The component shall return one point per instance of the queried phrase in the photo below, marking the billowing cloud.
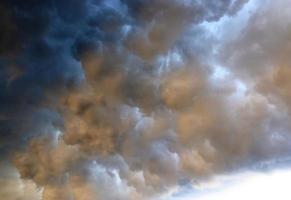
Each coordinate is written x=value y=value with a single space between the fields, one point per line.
x=126 y=99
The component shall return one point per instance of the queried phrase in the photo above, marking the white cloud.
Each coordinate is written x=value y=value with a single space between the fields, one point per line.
x=248 y=185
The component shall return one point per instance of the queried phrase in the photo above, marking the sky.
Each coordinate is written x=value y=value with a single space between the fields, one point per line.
x=247 y=185
x=267 y=180
x=145 y=99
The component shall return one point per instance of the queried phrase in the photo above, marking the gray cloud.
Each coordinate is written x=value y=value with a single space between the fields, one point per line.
x=112 y=100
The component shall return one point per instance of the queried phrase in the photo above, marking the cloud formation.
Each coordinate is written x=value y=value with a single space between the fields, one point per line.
x=125 y=99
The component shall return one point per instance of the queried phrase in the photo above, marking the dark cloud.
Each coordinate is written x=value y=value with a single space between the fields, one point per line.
x=109 y=100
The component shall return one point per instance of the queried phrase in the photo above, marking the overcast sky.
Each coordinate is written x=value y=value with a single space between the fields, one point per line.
x=145 y=99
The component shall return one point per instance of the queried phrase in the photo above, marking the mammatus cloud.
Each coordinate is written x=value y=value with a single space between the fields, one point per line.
x=124 y=99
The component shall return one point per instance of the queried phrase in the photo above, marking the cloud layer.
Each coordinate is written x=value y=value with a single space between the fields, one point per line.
x=124 y=99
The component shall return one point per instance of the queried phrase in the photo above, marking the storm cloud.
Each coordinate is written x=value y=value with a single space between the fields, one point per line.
x=130 y=99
